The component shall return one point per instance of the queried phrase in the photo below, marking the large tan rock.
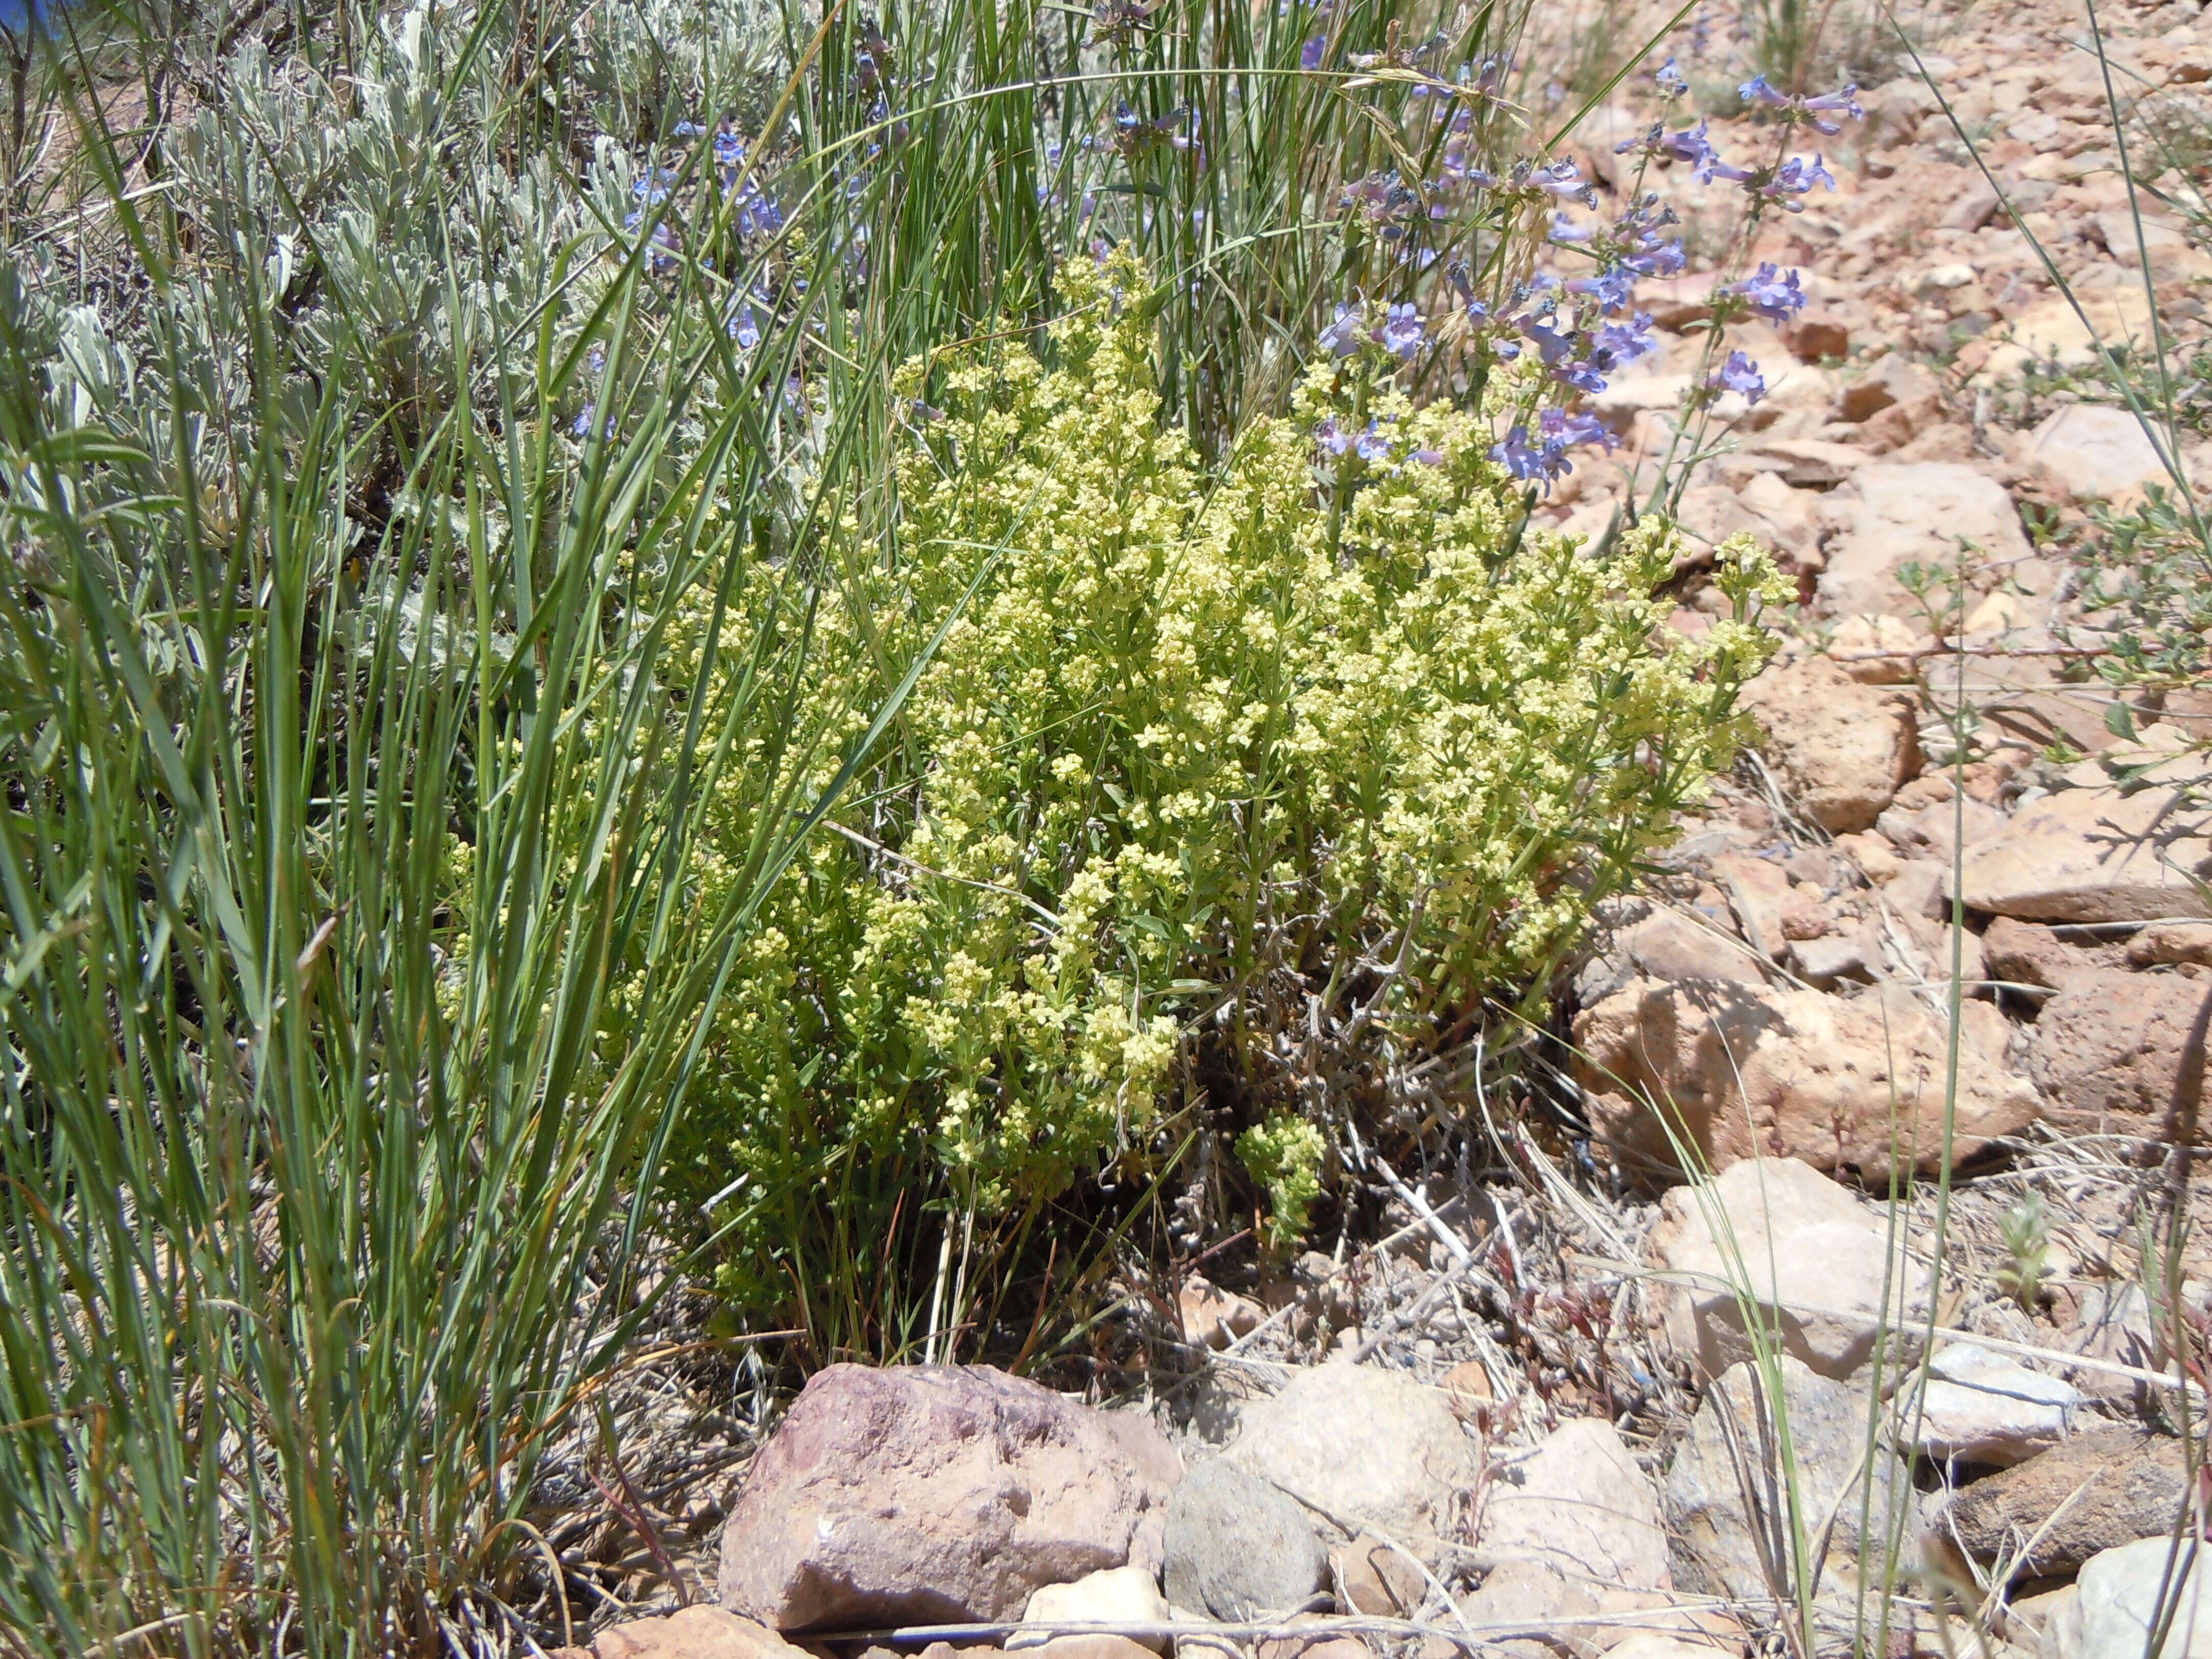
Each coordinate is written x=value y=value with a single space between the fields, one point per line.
x=1579 y=1504
x=938 y=1494
x=700 y=1633
x=1891 y=513
x=1815 y=1261
x=2123 y=1054
x=2095 y=855
x=1362 y=1448
x=2096 y=450
x=1737 y=1071
x=1843 y=747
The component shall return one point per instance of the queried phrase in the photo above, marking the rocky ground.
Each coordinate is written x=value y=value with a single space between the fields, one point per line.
x=1528 y=1415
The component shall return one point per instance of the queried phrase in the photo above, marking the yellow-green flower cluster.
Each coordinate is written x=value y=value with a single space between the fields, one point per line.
x=1196 y=724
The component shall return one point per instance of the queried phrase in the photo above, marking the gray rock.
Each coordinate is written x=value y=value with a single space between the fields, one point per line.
x=1732 y=1513
x=1237 y=1546
x=1362 y=1448
x=2124 y=1594
x=937 y=1493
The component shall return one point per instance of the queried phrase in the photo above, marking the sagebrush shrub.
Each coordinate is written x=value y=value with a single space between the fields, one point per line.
x=1195 y=730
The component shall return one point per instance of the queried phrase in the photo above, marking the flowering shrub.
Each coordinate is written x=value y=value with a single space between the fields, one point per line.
x=1201 y=737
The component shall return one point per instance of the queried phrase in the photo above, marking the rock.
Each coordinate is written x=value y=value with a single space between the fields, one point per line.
x=1580 y=1505
x=2123 y=1054
x=1098 y=1645
x=2112 y=1322
x=1723 y=1506
x=1933 y=831
x=1664 y=944
x=1658 y=1644
x=2095 y=855
x=1815 y=336
x=937 y=1494
x=700 y=1633
x=1979 y=1407
x=1843 y=748
x=1809 y=1254
x=1890 y=513
x=1520 y=1600
x=1838 y=959
x=1378 y=1579
x=1361 y=1446
x=1312 y=1637
x=2171 y=943
x=1117 y=1595
x=2055 y=331
x=2028 y=953
x=2131 y=1484
x=1213 y=1317
x=1237 y=1546
x=2095 y=450
x=1879 y=650
x=2124 y=1594
x=1742 y=1071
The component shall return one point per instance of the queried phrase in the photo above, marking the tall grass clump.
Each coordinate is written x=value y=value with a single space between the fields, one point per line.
x=351 y=482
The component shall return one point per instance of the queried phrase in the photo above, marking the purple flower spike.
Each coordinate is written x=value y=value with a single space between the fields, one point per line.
x=1774 y=294
x=1332 y=437
x=1739 y=373
x=1311 y=55
x=1671 y=83
x=1691 y=145
x=1427 y=457
x=1758 y=91
x=1373 y=448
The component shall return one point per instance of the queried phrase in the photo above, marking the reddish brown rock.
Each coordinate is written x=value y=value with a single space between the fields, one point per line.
x=2130 y=1485
x=1844 y=748
x=1739 y=1073
x=2027 y=953
x=938 y=1494
x=2123 y=1054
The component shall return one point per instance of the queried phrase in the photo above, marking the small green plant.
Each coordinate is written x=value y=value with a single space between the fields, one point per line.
x=2026 y=1235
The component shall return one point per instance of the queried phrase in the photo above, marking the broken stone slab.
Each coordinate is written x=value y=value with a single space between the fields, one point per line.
x=1815 y=1262
x=1117 y=1595
x=2119 y=1052
x=1890 y=513
x=2095 y=855
x=696 y=1632
x=933 y=1494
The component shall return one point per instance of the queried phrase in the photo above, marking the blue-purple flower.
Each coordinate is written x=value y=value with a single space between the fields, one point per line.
x=1773 y=293
x=1670 y=81
x=1793 y=178
x=1740 y=375
x=1342 y=336
x=1402 y=330
x=1311 y=55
